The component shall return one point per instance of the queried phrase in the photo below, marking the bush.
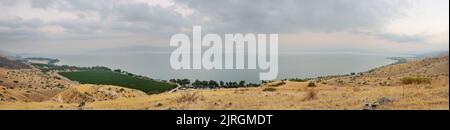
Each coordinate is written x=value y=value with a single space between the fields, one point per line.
x=188 y=97
x=15 y=81
x=1 y=81
x=298 y=80
x=311 y=84
x=269 y=89
x=56 y=77
x=415 y=80
x=310 y=95
x=159 y=105
x=278 y=84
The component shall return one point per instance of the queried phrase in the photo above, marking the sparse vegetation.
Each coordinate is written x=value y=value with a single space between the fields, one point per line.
x=298 y=80
x=182 y=82
x=278 y=84
x=269 y=89
x=220 y=84
x=188 y=97
x=159 y=105
x=415 y=80
x=311 y=94
x=311 y=84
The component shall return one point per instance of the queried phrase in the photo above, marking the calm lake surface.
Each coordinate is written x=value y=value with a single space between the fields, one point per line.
x=300 y=65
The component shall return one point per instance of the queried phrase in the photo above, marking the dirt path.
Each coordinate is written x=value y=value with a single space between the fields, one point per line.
x=175 y=89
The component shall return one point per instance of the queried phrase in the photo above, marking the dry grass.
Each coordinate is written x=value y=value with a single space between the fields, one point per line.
x=188 y=97
x=269 y=89
x=311 y=94
x=415 y=80
x=278 y=84
x=286 y=97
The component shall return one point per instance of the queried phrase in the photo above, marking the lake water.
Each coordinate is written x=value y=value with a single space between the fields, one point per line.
x=303 y=65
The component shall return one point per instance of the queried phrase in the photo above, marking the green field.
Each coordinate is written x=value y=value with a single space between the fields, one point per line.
x=118 y=79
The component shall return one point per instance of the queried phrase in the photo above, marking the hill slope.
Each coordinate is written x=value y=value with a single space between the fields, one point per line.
x=12 y=63
x=20 y=82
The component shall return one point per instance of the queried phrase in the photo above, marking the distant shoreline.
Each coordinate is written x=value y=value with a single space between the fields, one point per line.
x=41 y=60
x=395 y=60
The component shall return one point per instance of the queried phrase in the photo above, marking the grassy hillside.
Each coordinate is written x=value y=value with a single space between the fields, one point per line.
x=118 y=79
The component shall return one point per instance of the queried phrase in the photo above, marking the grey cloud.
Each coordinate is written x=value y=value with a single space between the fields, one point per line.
x=297 y=15
x=79 y=27
x=232 y=15
x=8 y=2
x=17 y=22
x=144 y=13
x=114 y=18
x=78 y=5
x=19 y=29
x=102 y=7
x=226 y=16
x=42 y=3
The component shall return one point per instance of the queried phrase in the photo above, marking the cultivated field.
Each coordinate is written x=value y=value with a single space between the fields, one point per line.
x=117 y=79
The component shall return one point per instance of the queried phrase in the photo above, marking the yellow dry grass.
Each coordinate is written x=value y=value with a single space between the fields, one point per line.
x=290 y=96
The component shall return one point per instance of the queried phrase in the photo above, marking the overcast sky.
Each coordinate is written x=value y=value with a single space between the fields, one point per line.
x=367 y=26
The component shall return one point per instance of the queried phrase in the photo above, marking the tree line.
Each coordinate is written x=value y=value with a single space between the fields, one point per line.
x=212 y=83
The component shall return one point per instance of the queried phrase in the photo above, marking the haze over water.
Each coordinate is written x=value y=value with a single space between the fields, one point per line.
x=296 y=65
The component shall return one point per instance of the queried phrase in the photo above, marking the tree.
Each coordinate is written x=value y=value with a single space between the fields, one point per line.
x=242 y=83
x=196 y=83
x=118 y=71
x=263 y=81
x=221 y=83
x=213 y=84
x=185 y=82
x=227 y=85
x=173 y=80
x=252 y=85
